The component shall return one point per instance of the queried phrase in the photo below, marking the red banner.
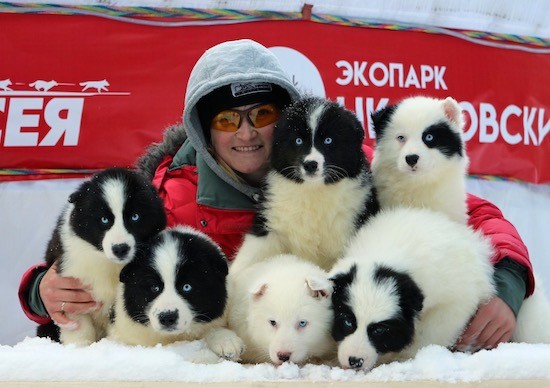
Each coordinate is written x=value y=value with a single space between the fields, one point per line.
x=82 y=92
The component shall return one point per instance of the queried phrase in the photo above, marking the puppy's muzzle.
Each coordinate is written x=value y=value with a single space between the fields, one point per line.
x=169 y=319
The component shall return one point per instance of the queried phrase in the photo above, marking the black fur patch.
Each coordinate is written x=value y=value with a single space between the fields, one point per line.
x=397 y=332
x=380 y=120
x=48 y=330
x=259 y=227
x=372 y=206
x=344 y=322
x=200 y=277
x=442 y=137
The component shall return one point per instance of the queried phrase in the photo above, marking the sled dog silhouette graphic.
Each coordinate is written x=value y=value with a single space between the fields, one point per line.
x=44 y=86
x=98 y=85
x=5 y=85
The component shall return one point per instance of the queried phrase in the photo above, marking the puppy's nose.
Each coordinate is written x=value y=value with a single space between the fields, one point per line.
x=310 y=166
x=120 y=250
x=283 y=356
x=355 y=362
x=412 y=159
x=168 y=318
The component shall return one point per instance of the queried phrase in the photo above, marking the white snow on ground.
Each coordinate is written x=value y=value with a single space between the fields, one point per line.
x=38 y=359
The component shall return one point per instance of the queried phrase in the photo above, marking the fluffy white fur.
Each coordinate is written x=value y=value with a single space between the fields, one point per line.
x=448 y=261
x=532 y=325
x=311 y=220
x=280 y=308
x=436 y=181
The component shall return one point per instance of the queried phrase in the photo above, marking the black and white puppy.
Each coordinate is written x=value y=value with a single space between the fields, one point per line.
x=420 y=157
x=99 y=231
x=420 y=160
x=319 y=189
x=175 y=290
x=409 y=278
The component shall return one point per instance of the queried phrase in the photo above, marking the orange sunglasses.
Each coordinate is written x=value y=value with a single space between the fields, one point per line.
x=258 y=116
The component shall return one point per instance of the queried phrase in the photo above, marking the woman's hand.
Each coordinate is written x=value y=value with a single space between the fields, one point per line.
x=493 y=323
x=65 y=295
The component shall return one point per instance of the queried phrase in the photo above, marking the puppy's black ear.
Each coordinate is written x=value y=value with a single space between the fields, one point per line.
x=83 y=188
x=414 y=296
x=222 y=265
x=411 y=298
x=343 y=279
x=380 y=120
x=127 y=272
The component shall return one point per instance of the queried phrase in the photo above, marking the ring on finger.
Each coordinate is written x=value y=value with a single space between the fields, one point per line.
x=63 y=306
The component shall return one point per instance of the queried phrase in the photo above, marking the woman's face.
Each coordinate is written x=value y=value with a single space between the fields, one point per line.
x=247 y=150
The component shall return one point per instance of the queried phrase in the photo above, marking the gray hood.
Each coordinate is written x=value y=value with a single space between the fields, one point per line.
x=234 y=61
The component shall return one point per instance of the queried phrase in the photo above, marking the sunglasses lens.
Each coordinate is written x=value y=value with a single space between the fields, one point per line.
x=260 y=116
x=264 y=115
x=227 y=121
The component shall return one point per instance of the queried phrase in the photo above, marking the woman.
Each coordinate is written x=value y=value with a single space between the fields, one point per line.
x=209 y=171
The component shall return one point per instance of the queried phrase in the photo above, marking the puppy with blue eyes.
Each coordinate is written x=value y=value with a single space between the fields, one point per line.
x=318 y=191
x=100 y=229
x=281 y=309
x=174 y=290
x=420 y=157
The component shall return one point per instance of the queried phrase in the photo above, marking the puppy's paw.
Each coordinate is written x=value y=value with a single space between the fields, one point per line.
x=225 y=343
x=204 y=356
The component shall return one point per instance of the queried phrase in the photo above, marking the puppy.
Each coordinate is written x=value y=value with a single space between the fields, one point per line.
x=99 y=231
x=420 y=161
x=175 y=290
x=420 y=158
x=319 y=189
x=281 y=309
x=533 y=317
x=409 y=278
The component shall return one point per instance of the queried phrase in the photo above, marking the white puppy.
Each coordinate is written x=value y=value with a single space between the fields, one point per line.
x=280 y=308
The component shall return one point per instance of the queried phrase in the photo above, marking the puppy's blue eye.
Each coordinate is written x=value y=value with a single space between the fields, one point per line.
x=187 y=287
x=302 y=323
x=379 y=330
x=401 y=138
x=348 y=323
x=273 y=322
x=135 y=217
x=299 y=141
x=328 y=140
x=104 y=220
x=155 y=288
x=429 y=137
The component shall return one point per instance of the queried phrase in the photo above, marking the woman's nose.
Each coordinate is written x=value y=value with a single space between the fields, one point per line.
x=246 y=131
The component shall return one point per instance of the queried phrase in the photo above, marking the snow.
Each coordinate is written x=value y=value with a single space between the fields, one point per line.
x=110 y=361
